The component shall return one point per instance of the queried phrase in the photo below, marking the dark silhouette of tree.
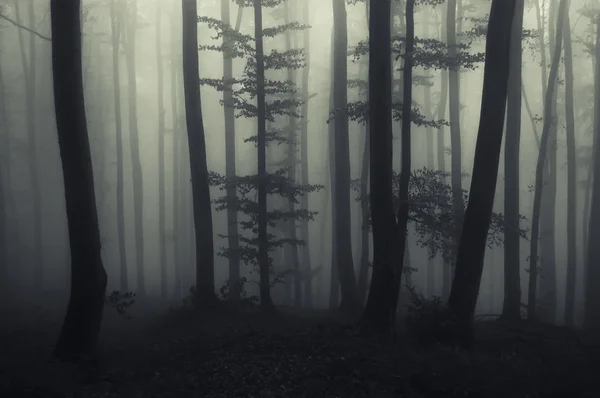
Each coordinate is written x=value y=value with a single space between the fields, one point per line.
x=511 y=308
x=471 y=250
x=201 y=204
x=79 y=334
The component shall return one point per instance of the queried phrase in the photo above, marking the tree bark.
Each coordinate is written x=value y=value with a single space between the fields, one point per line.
x=377 y=314
x=134 y=145
x=471 y=251
x=343 y=228
x=592 y=278
x=539 y=172
x=115 y=27
x=79 y=334
x=511 y=309
x=263 y=254
x=571 y=179
x=230 y=153
x=29 y=72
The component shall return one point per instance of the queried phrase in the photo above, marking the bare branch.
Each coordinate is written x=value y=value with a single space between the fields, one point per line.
x=41 y=36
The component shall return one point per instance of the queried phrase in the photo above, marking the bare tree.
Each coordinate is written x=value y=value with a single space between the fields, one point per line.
x=79 y=334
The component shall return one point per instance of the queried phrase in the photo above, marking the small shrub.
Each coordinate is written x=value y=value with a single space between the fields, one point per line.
x=120 y=302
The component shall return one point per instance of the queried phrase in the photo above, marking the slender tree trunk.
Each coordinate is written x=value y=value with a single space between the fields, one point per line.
x=455 y=140
x=304 y=235
x=263 y=254
x=592 y=293
x=441 y=157
x=334 y=281
x=343 y=228
x=230 y=151
x=79 y=334
x=162 y=233
x=363 y=275
x=29 y=72
x=406 y=152
x=115 y=26
x=203 y=226
x=511 y=309
x=134 y=145
x=571 y=179
x=539 y=172
x=177 y=130
x=548 y=284
x=471 y=252
x=377 y=314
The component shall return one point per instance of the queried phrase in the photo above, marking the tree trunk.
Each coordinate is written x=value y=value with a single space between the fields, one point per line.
x=441 y=157
x=203 y=226
x=29 y=72
x=334 y=281
x=230 y=151
x=377 y=314
x=471 y=251
x=115 y=27
x=162 y=233
x=263 y=251
x=571 y=179
x=177 y=130
x=511 y=309
x=134 y=145
x=343 y=230
x=455 y=141
x=539 y=172
x=363 y=275
x=79 y=334
x=406 y=153
x=592 y=293
x=304 y=234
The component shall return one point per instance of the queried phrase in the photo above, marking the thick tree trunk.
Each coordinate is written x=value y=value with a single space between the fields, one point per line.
x=471 y=252
x=263 y=251
x=377 y=314
x=304 y=235
x=79 y=334
x=511 y=309
x=230 y=151
x=455 y=140
x=115 y=27
x=203 y=226
x=29 y=71
x=130 y=18
x=539 y=172
x=592 y=293
x=571 y=179
x=343 y=230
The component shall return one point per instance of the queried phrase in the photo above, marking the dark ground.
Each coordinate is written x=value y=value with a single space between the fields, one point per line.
x=167 y=353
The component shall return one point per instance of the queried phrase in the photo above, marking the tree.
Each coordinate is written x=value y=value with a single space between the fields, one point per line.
x=201 y=204
x=592 y=293
x=343 y=244
x=263 y=253
x=511 y=309
x=79 y=334
x=539 y=171
x=377 y=314
x=29 y=70
x=115 y=25
x=129 y=13
x=571 y=178
x=471 y=250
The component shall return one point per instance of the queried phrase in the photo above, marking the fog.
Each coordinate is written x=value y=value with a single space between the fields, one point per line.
x=30 y=150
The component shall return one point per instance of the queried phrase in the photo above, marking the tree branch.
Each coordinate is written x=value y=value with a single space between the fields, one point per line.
x=41 y=36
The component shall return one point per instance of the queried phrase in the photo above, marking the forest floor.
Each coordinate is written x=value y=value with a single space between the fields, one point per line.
x=176 y=353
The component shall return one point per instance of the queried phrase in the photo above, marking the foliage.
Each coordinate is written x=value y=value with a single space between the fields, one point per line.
x=120 y=302
x=430 y=211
